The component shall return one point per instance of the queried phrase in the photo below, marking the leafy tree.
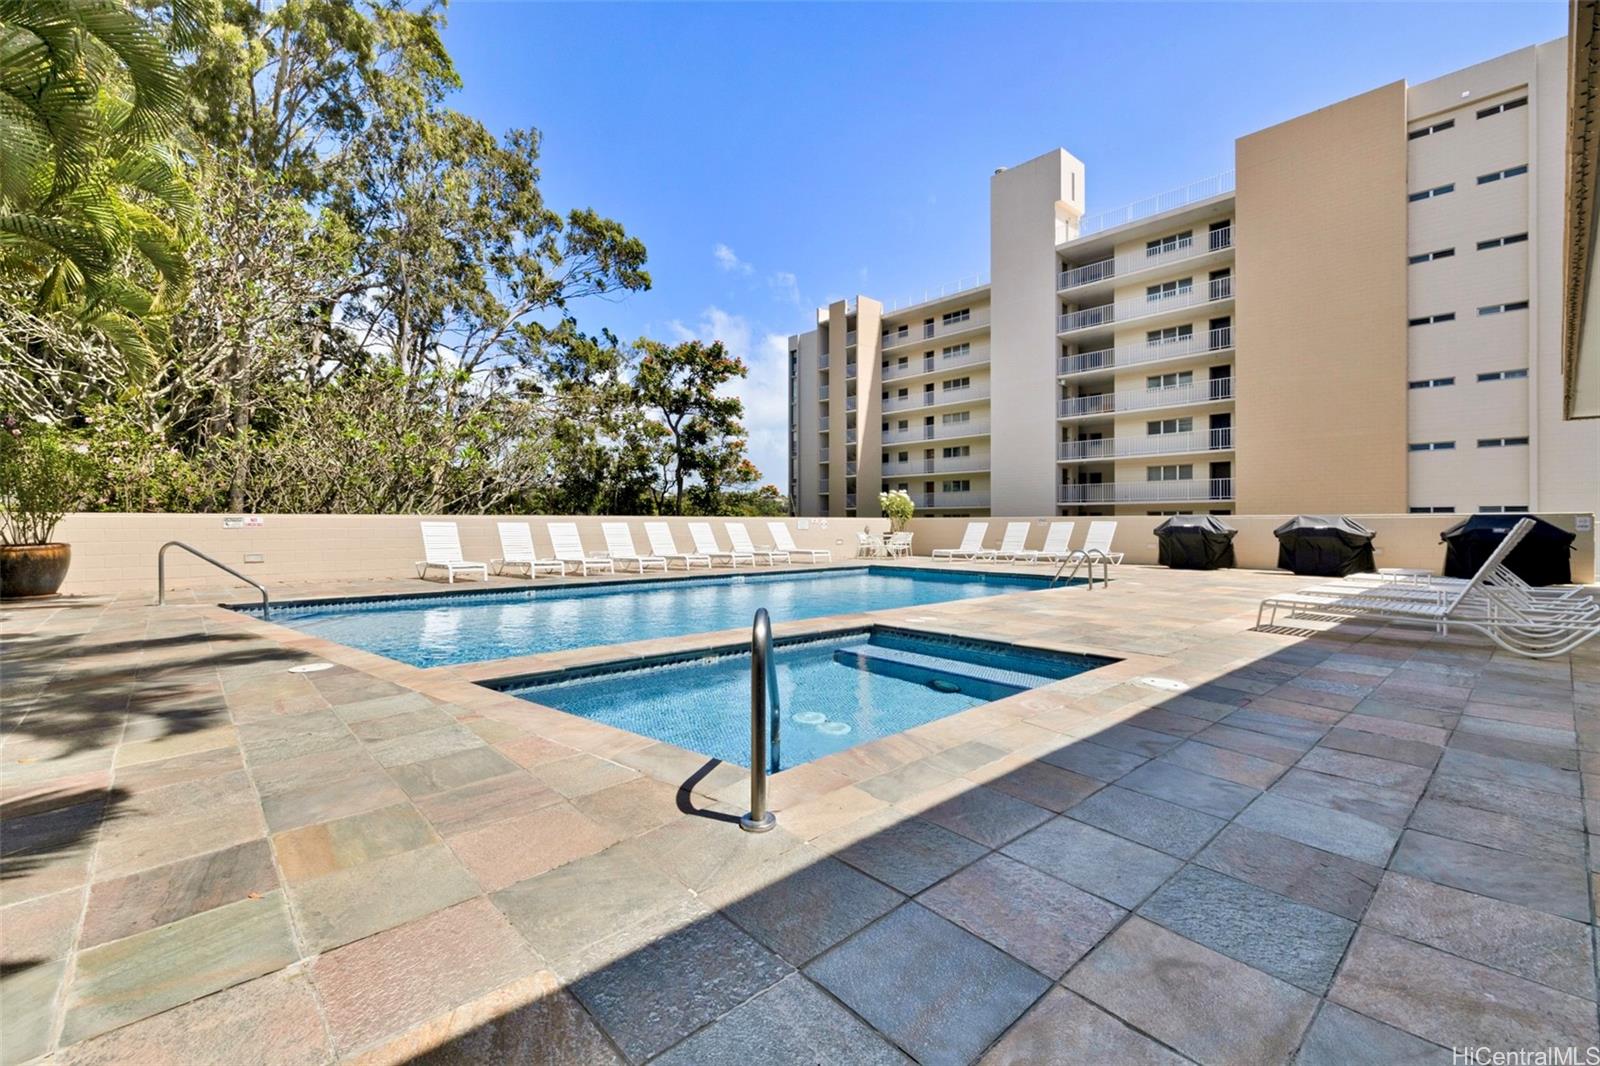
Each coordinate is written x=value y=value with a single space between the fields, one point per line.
x=679 y=384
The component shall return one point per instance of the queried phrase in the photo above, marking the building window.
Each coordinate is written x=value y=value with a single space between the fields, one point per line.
x=1163 y=426
x=1433 y=446
x=1428 y=320
x=1170 y=472
x=1169 y=244
x=955 y=351
x=1501 y=442
x=1496 y=309
x=1504 y=375
x=952 y=318
x=1170 y=380
x=1437 y=127
x=1503 y=508
x=1168 y=289
x=1429 y=194
x=1170 y=335
x=1428 y=257
x=957 y=416
x=956 y=383
x=896 y=333
x=1490 y=112
x=962 y=485
x=1430 y=383
x=1501 y=242
x=959 y=451
x=1509 y=172
x=1433 y=510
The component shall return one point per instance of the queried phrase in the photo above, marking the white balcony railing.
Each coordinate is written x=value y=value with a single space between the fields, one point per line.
x=1194 y=490
x=1203 y=440
x=937 y=363
x=1137 y=307
x=926 y=500
x=850 y=339
x=957 y=464
x=1171 y=200
x=1191 y=247
x=849 y=403
x=971 y=393
x=822 y=424
x=822 y=392
x=849 y=370
x=850 y=499
x=822 y=455
x=822 y=486
x=822 y=361
x=937 y=431
x=935 y=330
x=1102 y=403
x=1203 y=343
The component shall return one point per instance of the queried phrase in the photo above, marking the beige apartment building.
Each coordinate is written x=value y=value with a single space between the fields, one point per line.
x=1365 y=316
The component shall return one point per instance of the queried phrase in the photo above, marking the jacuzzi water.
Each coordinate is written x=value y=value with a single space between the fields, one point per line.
x=470 y=627
x=833 y=693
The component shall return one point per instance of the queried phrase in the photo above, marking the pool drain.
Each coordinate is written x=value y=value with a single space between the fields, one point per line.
x=939 y=684
x=833 y=729
x=310 y=668
x=811 y=718
x=1165 y=684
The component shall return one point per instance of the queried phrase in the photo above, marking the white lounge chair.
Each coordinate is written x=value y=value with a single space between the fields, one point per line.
x=1537 y=629
x=1056 y=540
x=1012 y=544
x=739 y=537
x=1099 y=539
x=441 y=549
x=662 y=544
x=516 y=549
x=705 y=542
x=569 y=549
x=619 y=547
x=785 y=542
x=971 y=543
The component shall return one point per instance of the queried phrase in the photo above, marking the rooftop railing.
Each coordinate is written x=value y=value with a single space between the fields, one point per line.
x=1180 y=251
x=935 y=330
x=1204 y=343
x=1160 y=203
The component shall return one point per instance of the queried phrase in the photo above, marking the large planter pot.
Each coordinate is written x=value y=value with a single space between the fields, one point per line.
x=33 y=569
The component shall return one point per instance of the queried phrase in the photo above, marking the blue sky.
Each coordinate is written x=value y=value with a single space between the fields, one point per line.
x=775 y=156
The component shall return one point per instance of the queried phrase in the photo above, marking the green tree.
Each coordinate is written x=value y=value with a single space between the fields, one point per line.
x=679 y=384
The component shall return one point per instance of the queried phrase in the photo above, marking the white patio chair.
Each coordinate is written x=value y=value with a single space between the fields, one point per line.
x=516 y=549
x=785 y=542
x=1099 y=539
x=1055 y=549
x=739 y=537
x=971 y=543
x=705 y=542
x=441 y=549
x=899 y=545
x=569 y=549
x=662 y=544
x=619 y=546
x=868 y=546
x=1012 y=544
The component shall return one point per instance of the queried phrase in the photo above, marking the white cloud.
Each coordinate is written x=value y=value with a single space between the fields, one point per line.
x=728 y=260
x=765 y=392
x=787 y=286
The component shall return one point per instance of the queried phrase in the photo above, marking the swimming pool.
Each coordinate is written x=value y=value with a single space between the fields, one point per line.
x=834 y=692
x=473 y=626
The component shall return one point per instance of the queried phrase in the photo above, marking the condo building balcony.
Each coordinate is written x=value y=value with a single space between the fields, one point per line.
x=822 y=424
x=908 y=334
x=822 y=456
x=1190 y=490
x=1186 y=248
x=822 y=392
x=934 y=500
x=938 y=363
x=1103 y=448
x=955 y=464
x=822 y=361
x=1207 y=342
x=1104 y=403
x=969 y=394
x=938 y=431
x=850 y=339
x=1201 y=293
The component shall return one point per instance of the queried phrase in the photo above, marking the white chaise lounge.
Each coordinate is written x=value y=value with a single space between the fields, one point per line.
x=569 y=549
x=662 y=544
x=1012 y=544
x=441 y=550
x=705 y=542
x=516 y=550
x=785 y=542
x=971 y=543
x=1056 y=541
x=619 y=547
x=1099 y=539
x=739 y=537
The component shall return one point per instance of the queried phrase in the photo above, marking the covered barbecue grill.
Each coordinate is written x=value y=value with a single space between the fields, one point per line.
x=1325 y=546
x=1543 y=558
x=1195 y=542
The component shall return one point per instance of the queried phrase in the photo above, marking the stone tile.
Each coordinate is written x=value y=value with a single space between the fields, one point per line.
x=272 y=1020
x=635 y=806
x=717 y=967
x=989 y=817
x=402 y=724
x=1308 y=875
x=1201 y=1003
x=790 y=1024
x=378 y=895
x=1186 y=788
x=965 y=757
x=126 y=905
x=514 y=849
x=28 y=997
x=1565 y=812
x=1094 y=760
x=275 y=740
x=1532 y=944
x=827 y=812
x=170 y=745
x=1373 y=802
x=328 y=800
x=428 y=777
x=534 y=751
x=582 y=774
x=1411 y=752
x=1229 y=765
x=1374 y=771
x=181 y=768
x=1291 y=941
x=1341 y=1037
x=1503 y=771
x=386 y=983
x=1038 y=919
x=1330 y=830
x=1546 y=747
x=429 y=744
x=484 y=802
x=1146 y=820
x=1132 y=739
x=910 y=976
x=1064 y=1027
x=1250 y=742
x=1494 y=830
x=703 y=852
x=1553 y=885
x=317 y=850
x=39 y=930
x=802 y=903
x=399 y=702
x=149 y=972
x=1094 y=860
x=1044 y=785
x=906 y=853
x=1454 y=1002
x=905 y=782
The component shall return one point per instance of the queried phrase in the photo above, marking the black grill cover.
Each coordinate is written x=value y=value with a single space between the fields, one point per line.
x=1195 y=542
x=1543 y=557
x=1325 y=546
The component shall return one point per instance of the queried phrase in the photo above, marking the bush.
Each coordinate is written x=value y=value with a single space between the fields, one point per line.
x=897 y=507
x=42 y=477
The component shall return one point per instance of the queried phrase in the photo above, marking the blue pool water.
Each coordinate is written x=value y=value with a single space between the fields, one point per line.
x=471 y=627
x=834 y=693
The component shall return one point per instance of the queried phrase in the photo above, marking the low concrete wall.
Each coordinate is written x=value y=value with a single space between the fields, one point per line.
x=1409 y=540
x=114 y=553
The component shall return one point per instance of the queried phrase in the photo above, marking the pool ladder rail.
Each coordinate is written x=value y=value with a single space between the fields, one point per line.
x=161 y=575
x=1087 y=558
x=765 y=719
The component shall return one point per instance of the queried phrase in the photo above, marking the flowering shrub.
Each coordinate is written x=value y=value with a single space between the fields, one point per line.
x=42 y=476
x=897 y=508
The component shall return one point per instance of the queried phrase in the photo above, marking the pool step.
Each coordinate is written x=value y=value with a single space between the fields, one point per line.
x=867 y=653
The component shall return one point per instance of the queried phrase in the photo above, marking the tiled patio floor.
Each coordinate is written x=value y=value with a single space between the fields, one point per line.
x=1351 y=845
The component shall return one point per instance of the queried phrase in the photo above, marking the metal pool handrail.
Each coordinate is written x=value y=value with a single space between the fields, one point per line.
x=1079 y=558
x=161 y=575
x=764 y=724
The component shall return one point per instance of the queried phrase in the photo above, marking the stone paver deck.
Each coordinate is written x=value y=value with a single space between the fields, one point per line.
x=1341 y=845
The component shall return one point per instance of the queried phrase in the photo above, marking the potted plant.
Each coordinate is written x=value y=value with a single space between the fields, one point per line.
x=42 y=477
x=898 y=508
